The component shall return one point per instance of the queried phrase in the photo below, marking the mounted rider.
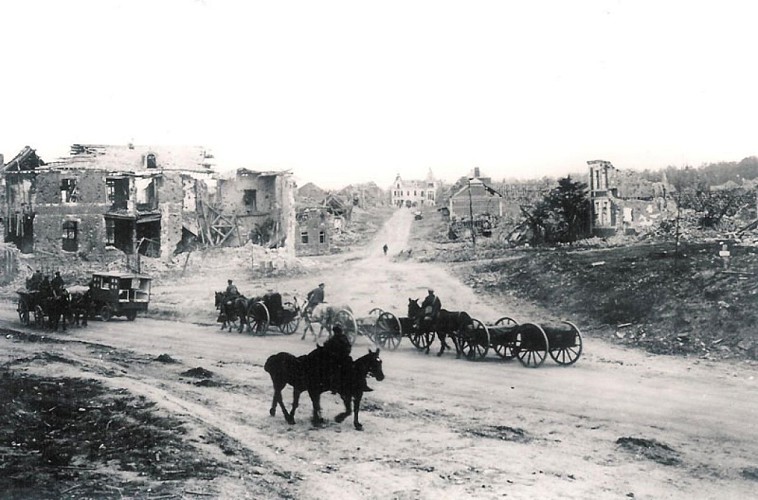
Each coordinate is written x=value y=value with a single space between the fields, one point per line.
x=339 y=348
x=430 y=308
x=231 y=292
x=315 y=297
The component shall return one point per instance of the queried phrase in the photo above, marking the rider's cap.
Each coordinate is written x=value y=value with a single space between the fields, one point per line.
x=337 y=329
x=320 y=284
x=229 y=281
x=431 y=290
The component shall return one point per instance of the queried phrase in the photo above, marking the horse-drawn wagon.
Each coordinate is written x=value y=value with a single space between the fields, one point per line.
x=270 y=310
x=530 y=343
x=31 y=311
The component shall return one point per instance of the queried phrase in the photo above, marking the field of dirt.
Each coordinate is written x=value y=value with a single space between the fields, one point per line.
x=179 y=409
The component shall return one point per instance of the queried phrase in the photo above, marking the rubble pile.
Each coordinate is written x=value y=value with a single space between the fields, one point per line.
x=643 y=295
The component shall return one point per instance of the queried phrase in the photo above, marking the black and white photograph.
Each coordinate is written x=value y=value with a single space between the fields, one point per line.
x=412 y=250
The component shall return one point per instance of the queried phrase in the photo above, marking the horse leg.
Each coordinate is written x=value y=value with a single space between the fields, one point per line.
x=316 y=402
x=295 y=403
x=443 y=344
x=356 y=408
x=347 y=399
x=308 y=326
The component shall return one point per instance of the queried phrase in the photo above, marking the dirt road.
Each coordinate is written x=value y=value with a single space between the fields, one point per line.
x=617 y=424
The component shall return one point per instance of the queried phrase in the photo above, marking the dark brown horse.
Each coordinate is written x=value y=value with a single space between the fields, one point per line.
x=321 y=370
x=57 y=307
x=445 y=324
x=231 y=309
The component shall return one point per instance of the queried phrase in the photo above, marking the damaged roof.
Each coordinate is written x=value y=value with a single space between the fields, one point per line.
x=135 y=158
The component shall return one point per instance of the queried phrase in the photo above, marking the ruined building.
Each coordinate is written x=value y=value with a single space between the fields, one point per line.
x=622 y=201
x=105 y=200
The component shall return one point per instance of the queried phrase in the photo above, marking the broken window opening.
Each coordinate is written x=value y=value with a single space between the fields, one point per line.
x=119 y=233
x=304 y=237
x=69 y=191
x=321 y=237
x=147 y=198
x=70 y=236
x=150 y=161
x=118 y=193
x=250 y=200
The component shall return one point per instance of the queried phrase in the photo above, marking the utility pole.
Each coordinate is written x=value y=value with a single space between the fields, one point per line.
x=471 y=214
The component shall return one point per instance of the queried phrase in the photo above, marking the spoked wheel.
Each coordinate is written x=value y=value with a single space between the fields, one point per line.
x=106 y=313
x=39 y=316
x=531 y=345
x=475 y=340
x=568 y=354
x=23 y=312
x=346 y=320
x=504 y=346
x=290 y=327
x=388 y=330
x=258 y=318
x=421 y=340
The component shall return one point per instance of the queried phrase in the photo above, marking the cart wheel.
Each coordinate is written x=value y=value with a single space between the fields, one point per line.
x=290 y=327
x=23 y=312
x=505 y=350
x=531 y=345
x=345 y=319
x=568 y=355
x=258 y=318
x=131 y=315
x=106 y=313
x=421 y=340
x=388 y=330
x=475 y=340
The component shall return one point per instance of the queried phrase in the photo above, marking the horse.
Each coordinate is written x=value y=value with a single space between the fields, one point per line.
x=317 y=372
x=447 y=323
x=232 y=309
x=323 y=314
x=354 y=381
x=57 y=307
x=80 y=307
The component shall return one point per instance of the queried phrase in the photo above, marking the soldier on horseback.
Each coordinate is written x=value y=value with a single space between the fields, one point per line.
x=315 y=297
x=231 y=292
x=431 y=307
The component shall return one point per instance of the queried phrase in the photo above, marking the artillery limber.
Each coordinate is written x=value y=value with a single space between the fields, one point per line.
x=269 y=310
x=530 y=343
x=382 y=328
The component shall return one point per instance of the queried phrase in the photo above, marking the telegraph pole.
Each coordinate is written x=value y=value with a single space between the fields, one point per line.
x=471 y=214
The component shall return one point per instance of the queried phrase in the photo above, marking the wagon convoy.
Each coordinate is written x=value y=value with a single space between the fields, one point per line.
x=530 y=343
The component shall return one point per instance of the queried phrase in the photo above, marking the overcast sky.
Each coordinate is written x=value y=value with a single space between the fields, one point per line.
x=344 y=92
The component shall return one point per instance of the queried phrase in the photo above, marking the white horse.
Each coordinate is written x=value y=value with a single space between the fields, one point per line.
x=326 y=315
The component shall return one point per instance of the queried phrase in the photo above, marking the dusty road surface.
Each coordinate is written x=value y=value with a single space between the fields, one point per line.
x=617 y=424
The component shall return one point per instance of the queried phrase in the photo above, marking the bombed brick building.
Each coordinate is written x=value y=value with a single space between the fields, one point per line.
x=622 y=201
x=259 y=206
x=102 y=201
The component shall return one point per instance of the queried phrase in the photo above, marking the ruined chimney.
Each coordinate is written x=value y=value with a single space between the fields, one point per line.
x=476 y=172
